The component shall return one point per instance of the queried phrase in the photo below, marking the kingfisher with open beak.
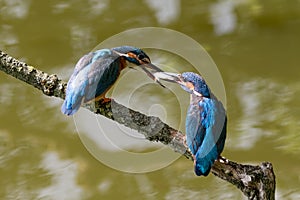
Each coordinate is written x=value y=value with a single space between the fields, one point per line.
x=96 y=72
x=206 y=120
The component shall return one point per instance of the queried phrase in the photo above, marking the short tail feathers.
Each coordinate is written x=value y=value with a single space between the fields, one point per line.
x=68 y=109
x=204 y=161
x=71 y=104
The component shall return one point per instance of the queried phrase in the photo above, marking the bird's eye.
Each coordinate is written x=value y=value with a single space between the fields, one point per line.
x=182 y=78
x=141 y=56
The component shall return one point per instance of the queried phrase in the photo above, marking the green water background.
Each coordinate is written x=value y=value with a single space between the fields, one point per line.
x=255 y=45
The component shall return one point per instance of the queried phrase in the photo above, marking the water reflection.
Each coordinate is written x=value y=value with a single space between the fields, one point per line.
x=146 y=187
x=37 y=144
x=7 y=35
x=166 y=11
x=249 y=99
x=105 y=185
x=15 y=8
x=97 y=6
x=77 y=32
x=223 y=16
x=264 y=103
x=6 y=95
x=119 y=147
x=186 y=193
x=64 y=178
x=60 y=7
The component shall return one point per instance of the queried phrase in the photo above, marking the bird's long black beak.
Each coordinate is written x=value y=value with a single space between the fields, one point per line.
x=176 y=78
x=150 y=70
x=168 y=76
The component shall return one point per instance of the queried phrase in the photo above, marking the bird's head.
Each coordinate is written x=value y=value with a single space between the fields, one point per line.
x=189 y=81
x=133 y=55
x=138 y=57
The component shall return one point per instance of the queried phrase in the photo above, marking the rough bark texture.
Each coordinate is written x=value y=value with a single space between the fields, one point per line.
x=256 y=182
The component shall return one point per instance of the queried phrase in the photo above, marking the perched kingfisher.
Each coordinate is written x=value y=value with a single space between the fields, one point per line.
x=96 y=72
x=205 y=121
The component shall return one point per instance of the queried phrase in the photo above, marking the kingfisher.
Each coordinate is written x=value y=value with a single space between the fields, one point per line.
x=96 y=72
x=206 y=120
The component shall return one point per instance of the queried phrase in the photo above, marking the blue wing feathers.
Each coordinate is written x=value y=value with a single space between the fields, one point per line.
x=194 y=130
x=75 y=93
x=93 y=75
x=206 y=154
x=204 y=159
x=206 y=132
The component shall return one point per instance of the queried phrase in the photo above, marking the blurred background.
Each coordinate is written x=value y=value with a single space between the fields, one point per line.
x=255 y=45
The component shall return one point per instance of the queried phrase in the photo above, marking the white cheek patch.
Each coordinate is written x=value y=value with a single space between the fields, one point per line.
x=121 y=54
x=197 y=93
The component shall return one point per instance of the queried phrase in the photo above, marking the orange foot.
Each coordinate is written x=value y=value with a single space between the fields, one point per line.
x=106 y=100
x=194 y=159
x=102 y=99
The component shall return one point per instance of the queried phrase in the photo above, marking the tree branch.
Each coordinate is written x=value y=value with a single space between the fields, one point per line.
x=256 y=182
